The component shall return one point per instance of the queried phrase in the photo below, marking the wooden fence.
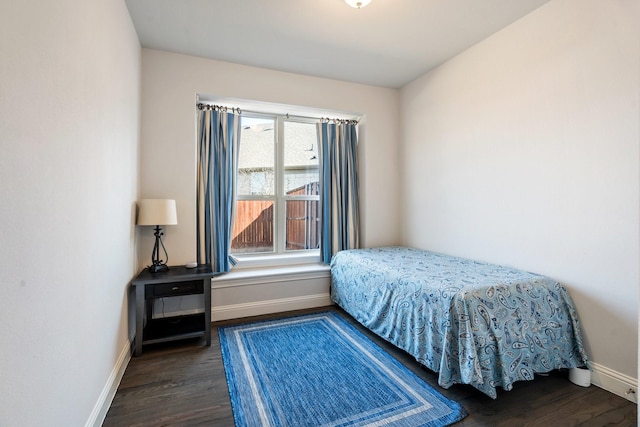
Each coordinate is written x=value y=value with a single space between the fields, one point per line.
x=253 y=229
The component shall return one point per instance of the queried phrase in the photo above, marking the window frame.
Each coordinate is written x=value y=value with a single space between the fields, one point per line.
x=280 y=255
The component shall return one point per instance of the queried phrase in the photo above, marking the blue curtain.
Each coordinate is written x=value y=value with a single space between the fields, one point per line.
x=340 y=211
x=218 y=145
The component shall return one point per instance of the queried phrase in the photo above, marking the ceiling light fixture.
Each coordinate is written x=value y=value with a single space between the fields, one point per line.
x=358 y=4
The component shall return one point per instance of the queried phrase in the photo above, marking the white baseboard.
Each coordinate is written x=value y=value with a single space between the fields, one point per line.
x=614 y=382
x=101 y=407
x=236 y=311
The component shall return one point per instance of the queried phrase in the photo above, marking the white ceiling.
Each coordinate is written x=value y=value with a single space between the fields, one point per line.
x=388 y=43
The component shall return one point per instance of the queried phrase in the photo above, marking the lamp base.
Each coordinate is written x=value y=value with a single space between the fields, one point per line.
x=158 y=268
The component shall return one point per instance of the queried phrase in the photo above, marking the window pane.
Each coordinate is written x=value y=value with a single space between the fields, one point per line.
x=257 y=154
x=303 y=225
x=300 y=158
x=253 y=228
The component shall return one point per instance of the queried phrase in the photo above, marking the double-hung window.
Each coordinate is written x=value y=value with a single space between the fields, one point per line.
x=278 y=199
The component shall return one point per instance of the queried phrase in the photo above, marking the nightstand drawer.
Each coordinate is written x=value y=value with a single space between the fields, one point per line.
x=174 y=289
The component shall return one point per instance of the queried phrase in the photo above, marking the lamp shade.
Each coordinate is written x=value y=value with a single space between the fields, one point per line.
x=157 y=212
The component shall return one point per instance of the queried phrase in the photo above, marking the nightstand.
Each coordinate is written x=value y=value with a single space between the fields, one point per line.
x=177 y=281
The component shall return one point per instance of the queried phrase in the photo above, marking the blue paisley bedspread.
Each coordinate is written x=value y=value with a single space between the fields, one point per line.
x=471 y=322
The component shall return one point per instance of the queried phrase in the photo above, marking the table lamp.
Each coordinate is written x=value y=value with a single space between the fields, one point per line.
x=157 y=212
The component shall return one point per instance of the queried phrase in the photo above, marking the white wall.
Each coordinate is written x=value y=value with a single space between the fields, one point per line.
x=170 y=83
x=524 y=150
x=69 y=108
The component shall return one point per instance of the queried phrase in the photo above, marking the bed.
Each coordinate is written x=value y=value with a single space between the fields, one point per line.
x=470 y=322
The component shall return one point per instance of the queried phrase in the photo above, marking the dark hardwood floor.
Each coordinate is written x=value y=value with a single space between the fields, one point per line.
x=183 y=383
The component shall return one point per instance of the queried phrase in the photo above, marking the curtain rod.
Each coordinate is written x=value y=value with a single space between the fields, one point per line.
x=224 y=109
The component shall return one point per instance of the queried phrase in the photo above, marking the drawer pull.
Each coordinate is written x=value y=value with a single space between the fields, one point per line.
x=175 y=288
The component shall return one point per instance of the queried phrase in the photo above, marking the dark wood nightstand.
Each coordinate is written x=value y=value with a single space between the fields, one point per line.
x=177 y=281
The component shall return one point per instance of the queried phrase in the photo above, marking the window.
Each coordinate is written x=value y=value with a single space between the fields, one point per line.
x=278 y=199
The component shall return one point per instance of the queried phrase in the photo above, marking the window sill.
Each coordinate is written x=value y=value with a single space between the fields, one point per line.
x=282 y=273
x=267 y=261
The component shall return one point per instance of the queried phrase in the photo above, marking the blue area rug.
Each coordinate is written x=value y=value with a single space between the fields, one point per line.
x=318 y=370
